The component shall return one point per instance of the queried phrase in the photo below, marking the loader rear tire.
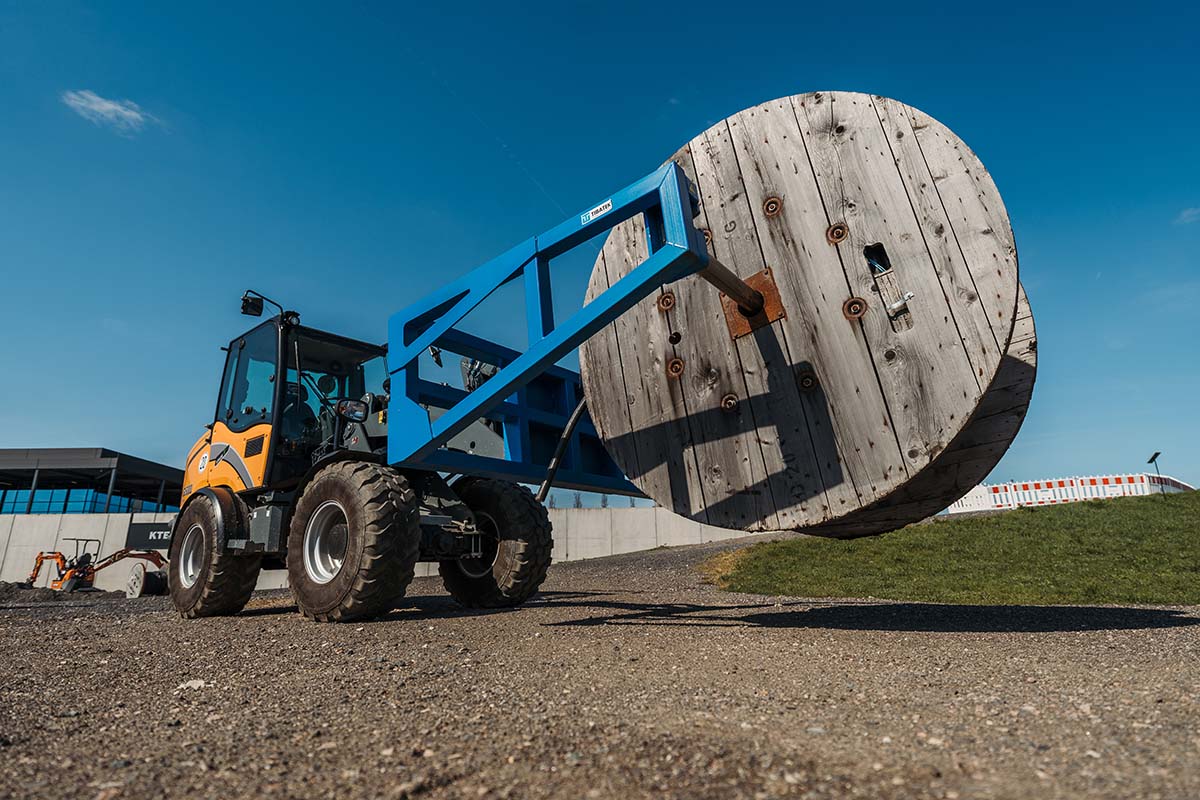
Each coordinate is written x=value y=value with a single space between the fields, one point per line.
x=204 y=580
x=518 y=539
x=353 y=543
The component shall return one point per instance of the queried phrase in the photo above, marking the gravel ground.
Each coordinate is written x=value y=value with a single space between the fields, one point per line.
x=626 y=678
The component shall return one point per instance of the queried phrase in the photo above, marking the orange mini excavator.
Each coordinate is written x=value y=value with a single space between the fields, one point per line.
x=79 y=572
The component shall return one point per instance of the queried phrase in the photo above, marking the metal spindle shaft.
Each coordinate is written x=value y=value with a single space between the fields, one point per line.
x=748 y=300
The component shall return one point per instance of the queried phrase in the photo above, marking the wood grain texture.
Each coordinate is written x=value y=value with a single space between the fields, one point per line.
x=850 y=427
x=972 y=455
x=928 y=381
x=728 y=451
x=653 y=422
x=785 y=417
x=835 y=420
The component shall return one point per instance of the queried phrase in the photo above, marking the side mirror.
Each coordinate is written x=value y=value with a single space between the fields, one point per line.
x=252 y=306
x=352 y=410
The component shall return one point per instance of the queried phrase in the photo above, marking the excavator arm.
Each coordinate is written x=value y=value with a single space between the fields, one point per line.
x=60 y=562
x=153 y=556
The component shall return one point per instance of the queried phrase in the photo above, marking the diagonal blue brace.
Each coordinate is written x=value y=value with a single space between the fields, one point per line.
x=676 y=250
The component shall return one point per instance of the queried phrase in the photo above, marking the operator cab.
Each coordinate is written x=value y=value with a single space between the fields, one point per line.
x=290 y=396
x=329 y=381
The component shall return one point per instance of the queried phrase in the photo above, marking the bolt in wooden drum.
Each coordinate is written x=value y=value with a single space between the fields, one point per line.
x=883 y=383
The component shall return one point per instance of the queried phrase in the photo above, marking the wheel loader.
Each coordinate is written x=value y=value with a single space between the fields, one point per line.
x=292 y=472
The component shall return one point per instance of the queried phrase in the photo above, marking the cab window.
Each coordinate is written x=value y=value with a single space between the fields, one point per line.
x=330 y=368
x=249 y=392
x=374 y=373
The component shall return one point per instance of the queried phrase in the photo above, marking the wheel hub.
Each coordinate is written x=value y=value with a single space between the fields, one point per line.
x=489 y=535
x=191 y=556
x=325 y=542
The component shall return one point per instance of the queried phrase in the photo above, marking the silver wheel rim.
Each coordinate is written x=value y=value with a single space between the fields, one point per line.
x=191 y=556
x=324 y=543
x=482 y=567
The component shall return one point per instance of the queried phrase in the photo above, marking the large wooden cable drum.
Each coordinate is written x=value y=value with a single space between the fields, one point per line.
x=882 y=381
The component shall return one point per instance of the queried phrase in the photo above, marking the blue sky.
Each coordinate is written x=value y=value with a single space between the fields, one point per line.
x=347 y=159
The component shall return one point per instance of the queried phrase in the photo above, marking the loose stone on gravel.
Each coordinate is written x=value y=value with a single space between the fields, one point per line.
x=627 y=678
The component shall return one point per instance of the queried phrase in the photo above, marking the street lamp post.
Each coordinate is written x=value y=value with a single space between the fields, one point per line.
x=1154 y=460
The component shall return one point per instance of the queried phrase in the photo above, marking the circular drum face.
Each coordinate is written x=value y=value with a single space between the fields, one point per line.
x=895 y=268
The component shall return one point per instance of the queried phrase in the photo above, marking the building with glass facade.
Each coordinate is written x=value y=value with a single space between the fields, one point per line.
x=78 y=480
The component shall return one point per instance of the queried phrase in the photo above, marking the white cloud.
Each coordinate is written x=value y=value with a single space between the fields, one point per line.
x=124 y=116
x=1187 y=216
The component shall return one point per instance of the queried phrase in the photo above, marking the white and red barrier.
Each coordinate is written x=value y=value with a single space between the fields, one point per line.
x=987 y=497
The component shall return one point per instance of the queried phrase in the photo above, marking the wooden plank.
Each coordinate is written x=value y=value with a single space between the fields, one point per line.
x=664 y=468
x=926 y=376
x=982 y=343
x=729 y=446
x=977 y=217
x=797 y=478
x=856 y=446
x=600 y=369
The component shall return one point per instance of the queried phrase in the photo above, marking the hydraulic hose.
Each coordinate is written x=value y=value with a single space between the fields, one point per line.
x=559 y=449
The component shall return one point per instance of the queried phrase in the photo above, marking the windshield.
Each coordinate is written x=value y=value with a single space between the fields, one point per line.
x=248 y=386
x=331 y=368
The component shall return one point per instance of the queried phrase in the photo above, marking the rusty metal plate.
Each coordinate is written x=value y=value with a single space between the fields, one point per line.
x=739 y=324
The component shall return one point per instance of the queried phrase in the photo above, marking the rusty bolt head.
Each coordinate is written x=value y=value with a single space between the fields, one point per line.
x=807 y=381
x=837 y=233
x=772 y=206
x=666 y=301
x=729 y=403
x=854 y=308
x=707 y=236
x=675 y=367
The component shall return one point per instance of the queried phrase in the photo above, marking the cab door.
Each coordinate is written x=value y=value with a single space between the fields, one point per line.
x=240 y=439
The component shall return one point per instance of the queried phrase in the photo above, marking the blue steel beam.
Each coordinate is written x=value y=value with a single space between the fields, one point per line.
x=676 y=250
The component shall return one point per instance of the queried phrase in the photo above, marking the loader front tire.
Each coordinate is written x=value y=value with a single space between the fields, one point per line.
x=517 y=542
x=204 y=580
x=353 y=543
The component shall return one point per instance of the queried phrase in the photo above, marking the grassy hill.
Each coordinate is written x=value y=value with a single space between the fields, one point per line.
x=1124 y=550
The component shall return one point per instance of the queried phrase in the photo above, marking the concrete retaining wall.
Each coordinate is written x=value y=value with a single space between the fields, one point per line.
x=23 y=536
x=579 y=533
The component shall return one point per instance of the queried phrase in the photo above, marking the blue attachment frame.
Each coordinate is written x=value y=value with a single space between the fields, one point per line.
x=529 y=394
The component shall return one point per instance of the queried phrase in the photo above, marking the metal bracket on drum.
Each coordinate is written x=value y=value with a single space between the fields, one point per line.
x=900 y=306
x=750 y=304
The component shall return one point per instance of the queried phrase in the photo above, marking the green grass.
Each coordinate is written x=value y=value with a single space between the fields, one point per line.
x=1124 y=550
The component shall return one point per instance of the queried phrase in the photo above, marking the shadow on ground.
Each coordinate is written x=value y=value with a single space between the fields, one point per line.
x=598 y=608
x=601 y=608
x=914 y=617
